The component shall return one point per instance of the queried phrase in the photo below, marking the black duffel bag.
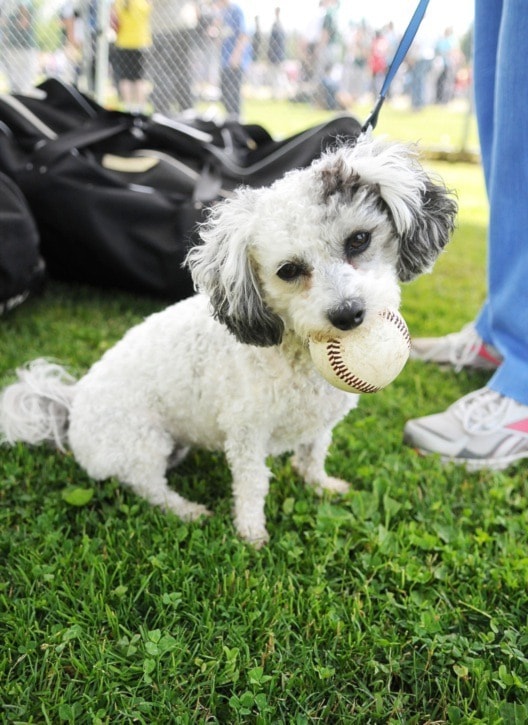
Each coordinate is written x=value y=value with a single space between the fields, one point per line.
x=22 y=268
x=112 y=220
x=117 y=197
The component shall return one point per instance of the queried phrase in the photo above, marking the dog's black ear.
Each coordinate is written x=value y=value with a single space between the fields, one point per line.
x=432 y=223
x=223 y=269
x=247 y=316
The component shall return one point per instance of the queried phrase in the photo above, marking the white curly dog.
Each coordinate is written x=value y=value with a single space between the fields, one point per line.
x=318 y=252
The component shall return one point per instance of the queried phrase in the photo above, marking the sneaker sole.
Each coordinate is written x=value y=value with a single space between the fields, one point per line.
x=478 y=464
x=446 y=365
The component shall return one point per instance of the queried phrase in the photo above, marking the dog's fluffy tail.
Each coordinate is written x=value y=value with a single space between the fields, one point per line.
x=36 y=408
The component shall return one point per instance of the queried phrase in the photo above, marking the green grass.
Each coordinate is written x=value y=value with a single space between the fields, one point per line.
x=403 y=602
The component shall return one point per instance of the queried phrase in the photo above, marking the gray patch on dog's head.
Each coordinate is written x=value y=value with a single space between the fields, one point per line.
x=337 y=178
x=421 y=210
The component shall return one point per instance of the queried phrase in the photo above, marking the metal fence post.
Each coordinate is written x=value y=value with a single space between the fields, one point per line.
x=101 y=55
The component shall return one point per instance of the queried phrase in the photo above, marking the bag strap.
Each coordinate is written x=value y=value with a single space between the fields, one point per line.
x=66 y=96
x=38 y=127
x=400 y=54
x=206 y=185
x=47 y=152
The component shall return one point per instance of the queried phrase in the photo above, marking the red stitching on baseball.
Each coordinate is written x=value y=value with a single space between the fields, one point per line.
x=334 y=352
x=400 y=324
x=333 y=348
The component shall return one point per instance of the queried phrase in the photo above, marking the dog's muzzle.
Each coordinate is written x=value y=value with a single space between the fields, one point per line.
x=348 y=315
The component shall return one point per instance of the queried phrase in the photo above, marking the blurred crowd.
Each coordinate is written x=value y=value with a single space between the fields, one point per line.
x=169 y=55
x=335 y=63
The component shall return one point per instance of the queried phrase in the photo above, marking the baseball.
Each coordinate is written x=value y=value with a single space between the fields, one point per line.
x=366 y=359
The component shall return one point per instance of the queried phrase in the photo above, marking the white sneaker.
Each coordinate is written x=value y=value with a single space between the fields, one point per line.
x=481 y=430
x=464 y=349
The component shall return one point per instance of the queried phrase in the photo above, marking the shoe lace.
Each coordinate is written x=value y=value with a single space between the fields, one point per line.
x=483 y=411
x=462 y=346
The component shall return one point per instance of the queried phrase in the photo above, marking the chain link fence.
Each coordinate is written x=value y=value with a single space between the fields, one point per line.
x=174 y=55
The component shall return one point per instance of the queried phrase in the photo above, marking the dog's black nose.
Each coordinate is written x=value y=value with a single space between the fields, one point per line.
x=348 y=315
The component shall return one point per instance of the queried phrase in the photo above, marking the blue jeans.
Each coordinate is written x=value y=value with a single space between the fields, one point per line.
x=501 y=97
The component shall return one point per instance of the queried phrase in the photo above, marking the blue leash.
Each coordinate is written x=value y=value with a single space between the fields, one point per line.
x=400 y=54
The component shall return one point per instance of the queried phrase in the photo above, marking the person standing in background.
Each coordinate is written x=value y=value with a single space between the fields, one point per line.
x=256 y=41
x=133 y=38
x=73 y=37
x=378 y=61
x=354 y=79
x=19 y=48
x=276 y=54
x=235 y=54
x=175 y=33
x=328 y=57
x=446 y=54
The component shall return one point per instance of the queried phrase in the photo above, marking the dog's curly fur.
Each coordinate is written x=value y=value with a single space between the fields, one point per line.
x=316 y=253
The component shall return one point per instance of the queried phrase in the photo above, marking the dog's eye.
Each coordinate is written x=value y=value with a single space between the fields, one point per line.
x=290 y=271
x=357 y=243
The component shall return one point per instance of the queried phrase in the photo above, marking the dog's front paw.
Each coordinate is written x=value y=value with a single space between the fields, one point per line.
x=195 y=511
x=332 y=484
x=255 y=535
x=192 y=511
